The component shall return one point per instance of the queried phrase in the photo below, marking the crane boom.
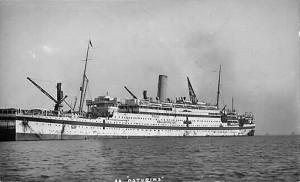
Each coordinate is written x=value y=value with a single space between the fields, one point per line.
x=192 y=94
x=130 y=92
x=57 y=101
x=42 y=90
x=74 y=104
x=69 y=105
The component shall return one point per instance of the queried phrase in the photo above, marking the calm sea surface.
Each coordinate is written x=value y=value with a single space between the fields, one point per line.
x=259 y=158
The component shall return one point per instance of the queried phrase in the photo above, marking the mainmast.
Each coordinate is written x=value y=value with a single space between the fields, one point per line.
x=218 y=93
x=232 y=107
x=84 y=79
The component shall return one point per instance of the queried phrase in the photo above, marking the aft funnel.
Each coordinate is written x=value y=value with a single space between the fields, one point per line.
x=162 y=87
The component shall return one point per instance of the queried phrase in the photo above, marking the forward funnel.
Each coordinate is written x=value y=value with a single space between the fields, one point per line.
x=162 y=87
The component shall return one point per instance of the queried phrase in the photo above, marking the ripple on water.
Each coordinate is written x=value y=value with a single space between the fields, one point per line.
x=271 y=158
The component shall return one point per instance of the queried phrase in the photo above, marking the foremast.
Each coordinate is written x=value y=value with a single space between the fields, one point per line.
x=84 y=80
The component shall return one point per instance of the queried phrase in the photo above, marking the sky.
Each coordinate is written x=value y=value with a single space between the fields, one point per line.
x=256 y=42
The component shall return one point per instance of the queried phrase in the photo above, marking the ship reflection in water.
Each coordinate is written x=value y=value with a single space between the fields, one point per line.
x=259 y=158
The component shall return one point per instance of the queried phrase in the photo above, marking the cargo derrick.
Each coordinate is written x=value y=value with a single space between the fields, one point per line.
x=193 y=97
x=130 y=92
x=57 y=101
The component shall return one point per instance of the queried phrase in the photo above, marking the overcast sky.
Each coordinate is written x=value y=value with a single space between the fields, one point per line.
x=134 y=41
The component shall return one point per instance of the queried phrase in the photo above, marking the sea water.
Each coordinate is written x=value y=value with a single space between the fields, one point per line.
x=259 y=158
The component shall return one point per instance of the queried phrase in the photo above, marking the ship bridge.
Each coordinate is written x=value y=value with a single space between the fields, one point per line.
x=103 y=106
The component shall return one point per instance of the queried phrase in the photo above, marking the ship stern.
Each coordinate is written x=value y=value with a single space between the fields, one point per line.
x=7 y=129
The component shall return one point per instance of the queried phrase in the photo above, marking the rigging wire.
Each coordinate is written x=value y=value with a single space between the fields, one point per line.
x=40 y=105
x=42 y=80
x=90 y=92
x=222 y=100
x=77 y=98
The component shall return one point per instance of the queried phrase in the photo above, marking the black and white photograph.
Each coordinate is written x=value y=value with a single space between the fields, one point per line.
x=148 y=91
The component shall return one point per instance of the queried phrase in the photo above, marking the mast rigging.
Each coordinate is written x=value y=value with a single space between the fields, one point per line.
x=84 y=79
x=218 y=93
x=232 y=107
x=57 y=101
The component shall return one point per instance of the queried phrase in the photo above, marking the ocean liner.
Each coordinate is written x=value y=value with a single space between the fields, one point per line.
x=132 y=117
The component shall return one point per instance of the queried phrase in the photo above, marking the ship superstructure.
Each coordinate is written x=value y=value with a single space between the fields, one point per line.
x=133 y=117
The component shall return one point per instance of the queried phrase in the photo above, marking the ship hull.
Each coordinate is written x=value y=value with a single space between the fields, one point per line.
x=24 y=127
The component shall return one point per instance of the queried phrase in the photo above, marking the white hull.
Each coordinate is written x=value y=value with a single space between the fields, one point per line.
x=51 y=127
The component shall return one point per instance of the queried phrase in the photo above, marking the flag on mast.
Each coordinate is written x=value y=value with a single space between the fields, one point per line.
x=90 y=43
